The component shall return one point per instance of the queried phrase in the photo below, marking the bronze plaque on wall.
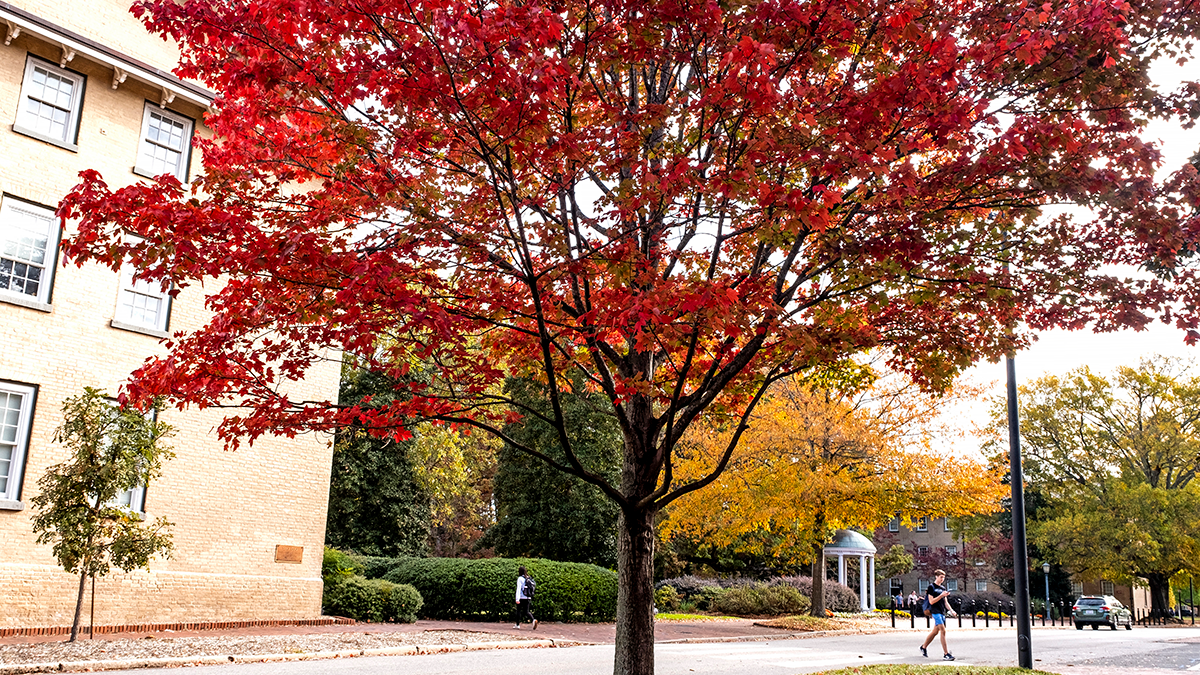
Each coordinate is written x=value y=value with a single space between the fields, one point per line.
x=289 y=554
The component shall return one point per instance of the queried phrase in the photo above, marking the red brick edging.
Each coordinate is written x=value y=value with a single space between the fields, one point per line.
x=157 y=627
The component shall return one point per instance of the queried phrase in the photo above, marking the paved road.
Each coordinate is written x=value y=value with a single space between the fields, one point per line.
x=1144 y=650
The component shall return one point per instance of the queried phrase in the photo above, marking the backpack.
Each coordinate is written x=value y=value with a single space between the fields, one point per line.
x=925 y=606
x=530 y=586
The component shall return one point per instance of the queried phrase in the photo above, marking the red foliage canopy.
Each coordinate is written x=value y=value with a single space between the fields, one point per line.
x=677 y=200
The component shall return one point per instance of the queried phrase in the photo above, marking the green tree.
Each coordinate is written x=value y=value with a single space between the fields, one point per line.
x=1114 y=461
x=545 y=513
x=113 y=449
x=376 y=504
x=894 y=562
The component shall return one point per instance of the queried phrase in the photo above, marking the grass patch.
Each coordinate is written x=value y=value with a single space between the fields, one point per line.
x=664 y=616
x=948 y=669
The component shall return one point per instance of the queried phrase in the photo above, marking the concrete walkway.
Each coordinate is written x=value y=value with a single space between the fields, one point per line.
x=595 y=633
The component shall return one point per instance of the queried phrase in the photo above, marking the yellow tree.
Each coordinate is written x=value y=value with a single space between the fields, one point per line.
x=816 y=459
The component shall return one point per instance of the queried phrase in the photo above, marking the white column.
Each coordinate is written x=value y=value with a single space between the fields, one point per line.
x=862 y=582
x=842 y=569
x=872 y=577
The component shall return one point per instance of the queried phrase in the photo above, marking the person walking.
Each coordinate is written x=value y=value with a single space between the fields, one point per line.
x=899 y=599
x=936 y=596
x=912 y=599
x=525 y=586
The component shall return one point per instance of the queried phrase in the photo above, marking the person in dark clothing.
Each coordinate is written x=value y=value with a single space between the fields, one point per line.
x=936 y=596
x=524 y=601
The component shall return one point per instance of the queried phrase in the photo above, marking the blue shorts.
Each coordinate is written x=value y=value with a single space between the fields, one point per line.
x=939 y=619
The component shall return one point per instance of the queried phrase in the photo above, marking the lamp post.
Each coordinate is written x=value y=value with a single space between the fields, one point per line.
x=1046 y=578
x=1020 y=554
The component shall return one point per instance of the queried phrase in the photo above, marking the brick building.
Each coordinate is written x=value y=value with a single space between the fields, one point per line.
x=933 y=545
x=90 y=88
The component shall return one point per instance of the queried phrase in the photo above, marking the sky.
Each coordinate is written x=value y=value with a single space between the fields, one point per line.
x=1057 y=352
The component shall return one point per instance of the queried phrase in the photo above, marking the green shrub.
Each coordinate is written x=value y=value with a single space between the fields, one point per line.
x=703 y=598
x=374 y=567
x=454 y=588
x=373 y=600
x=403 y=603
x=666 y=599
x=337 y=566
x=358 y=598
x=760 y=600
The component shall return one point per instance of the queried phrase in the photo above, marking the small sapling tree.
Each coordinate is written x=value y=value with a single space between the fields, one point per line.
x=113 y=450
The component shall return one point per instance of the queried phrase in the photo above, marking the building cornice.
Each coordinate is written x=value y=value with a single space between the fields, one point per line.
x=72 y=44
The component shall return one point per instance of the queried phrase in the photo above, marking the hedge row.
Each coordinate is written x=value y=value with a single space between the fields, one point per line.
x=455 y=588
x=703 y=591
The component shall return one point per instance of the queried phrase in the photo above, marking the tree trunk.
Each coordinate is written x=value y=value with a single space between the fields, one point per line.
x=818 y=580
x=1160 y=591
x=635 y=593
x=83 y=575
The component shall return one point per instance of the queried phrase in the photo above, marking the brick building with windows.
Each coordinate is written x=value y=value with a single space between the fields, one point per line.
x=90 y=88
x=933 y=545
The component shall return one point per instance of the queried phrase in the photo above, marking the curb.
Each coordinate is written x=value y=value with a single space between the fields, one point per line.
x=177 y=661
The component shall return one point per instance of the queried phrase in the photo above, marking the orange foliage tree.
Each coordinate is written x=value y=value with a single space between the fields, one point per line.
x=816 y=459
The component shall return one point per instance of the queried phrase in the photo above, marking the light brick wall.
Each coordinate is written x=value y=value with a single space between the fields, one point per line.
x=230 y=509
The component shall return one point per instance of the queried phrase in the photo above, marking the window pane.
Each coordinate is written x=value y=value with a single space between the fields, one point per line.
x=24 y=248
x=50 y=99
x=10 y=404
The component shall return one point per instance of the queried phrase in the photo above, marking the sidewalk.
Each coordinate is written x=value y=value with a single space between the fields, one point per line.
x=589 y=633
x=21 y=655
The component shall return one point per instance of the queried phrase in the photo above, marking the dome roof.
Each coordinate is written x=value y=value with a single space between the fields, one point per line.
x=849 y=541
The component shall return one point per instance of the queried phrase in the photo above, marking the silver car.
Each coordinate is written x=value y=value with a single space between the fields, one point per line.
x=1101 y=610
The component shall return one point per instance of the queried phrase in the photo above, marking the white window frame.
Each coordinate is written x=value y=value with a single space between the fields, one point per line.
x=894 y=524
x=71 y=130
x=11 y=495
x=9 y=204
x=1077 y=588
x=141 y=167
x=1107 y=588
x=130 y=290
x=945 y=524
x=923 y=524
x=981 y=585
x=922 y=551
x=952 y=585
x=922 y=585
x=951 y=550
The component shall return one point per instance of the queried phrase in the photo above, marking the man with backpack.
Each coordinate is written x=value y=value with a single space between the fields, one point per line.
x=525 y=590
x=936 y=607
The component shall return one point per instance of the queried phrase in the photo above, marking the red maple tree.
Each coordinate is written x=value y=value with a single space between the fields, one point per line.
x=674 y=202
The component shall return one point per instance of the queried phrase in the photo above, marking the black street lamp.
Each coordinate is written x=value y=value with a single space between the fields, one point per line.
x=1046 y=577
x=1020 y=554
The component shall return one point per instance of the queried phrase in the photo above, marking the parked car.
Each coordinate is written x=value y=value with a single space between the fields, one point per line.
x=1101 y=610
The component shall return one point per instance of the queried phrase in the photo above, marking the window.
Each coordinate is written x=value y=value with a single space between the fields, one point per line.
x=1076 y=588
x=166 y=143
x=951 y=550
x=980 y=585
x=51 y=98
x=141 y=304
x=922 y=524
x=16 y=413
x=1106 y=588
x=922 y=550
x=28 y=242
x=922 y=585
x=946 y=524
x=894 y=525
x=952 y=584
x=897 y=585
